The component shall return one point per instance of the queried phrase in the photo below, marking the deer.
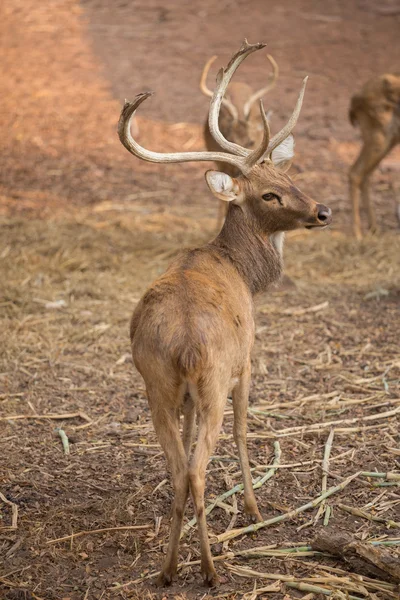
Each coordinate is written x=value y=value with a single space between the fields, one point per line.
x=376 y=110
x=239 y=119
x=193 y=330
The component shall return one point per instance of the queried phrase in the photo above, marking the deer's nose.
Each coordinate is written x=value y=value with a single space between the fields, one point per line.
x=324 y=214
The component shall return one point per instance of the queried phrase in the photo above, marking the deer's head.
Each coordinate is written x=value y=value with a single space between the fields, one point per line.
x=264 y=191
x=269 y=198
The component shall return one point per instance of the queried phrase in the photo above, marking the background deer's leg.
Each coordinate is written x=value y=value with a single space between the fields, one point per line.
x=375 y=148
x=355 y=178
x=378 y=150
x=395 y=189
x=210 y=411
x=366 y=200
x=240 y=399
x=165 y=416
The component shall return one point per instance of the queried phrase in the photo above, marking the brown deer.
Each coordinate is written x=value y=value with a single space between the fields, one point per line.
x=376 y=110
x=239 y=120
x=193 y=330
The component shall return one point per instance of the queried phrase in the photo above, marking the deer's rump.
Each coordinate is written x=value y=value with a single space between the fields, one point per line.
x=188 y=346
x=187 y=328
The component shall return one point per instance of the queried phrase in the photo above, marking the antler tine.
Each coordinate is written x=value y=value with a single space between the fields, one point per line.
x=259 y=152
x=232 y=108
x=203 y=81
x=207 y=92
x=125 y=135
x=287 y=129
x=271 y=83
x=223 y=80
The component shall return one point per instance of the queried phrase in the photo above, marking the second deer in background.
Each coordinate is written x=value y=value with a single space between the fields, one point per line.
x=376 y=110
x=239 y=120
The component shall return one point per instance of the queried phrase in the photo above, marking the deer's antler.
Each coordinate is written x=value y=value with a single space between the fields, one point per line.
x=271 y=83
x=207 y=92
x=238 y=156
x=259 y=152
x=223 y=79
x=125 y=135
x=287 y=129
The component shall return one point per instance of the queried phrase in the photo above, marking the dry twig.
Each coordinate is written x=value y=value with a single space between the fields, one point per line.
x=89 y=531
x=64 y=439
x=14 y=513
x=325 y=469
x=365 y=515
x=289 y=515
x=57 y=417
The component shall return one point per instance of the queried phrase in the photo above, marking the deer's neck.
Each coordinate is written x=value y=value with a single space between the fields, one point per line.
x=256 y=256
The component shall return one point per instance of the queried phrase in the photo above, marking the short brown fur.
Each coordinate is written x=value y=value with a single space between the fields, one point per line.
x=376 y=110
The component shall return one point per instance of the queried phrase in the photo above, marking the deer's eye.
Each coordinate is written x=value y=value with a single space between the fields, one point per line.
x=271 y=196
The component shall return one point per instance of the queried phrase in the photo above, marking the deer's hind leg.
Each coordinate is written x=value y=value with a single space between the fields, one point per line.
x=380 y=151
x=164 y=406
x=376 y=147
x=210 y=401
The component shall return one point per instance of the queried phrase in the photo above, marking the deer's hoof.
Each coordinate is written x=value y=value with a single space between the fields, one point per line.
x=254 y=514
x=256 y=517
x=165 y=578
x=211 y=578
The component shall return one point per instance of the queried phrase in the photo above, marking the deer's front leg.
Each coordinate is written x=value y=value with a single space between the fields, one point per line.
x=355 y=194
x=365 y=187
x=240 y=399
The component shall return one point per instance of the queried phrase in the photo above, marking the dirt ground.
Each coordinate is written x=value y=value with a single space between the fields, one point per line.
x=85 y=227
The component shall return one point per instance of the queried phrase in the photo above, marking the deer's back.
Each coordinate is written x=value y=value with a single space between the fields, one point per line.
x=377 y=105
x=199 y=313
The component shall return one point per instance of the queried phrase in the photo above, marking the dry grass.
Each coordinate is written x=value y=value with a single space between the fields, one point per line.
x=324 y=354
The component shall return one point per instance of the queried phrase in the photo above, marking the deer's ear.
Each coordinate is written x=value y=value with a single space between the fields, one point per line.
x=283 y=154
x=223 y=186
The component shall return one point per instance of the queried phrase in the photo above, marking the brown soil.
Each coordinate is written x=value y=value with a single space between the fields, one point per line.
x=85 y=228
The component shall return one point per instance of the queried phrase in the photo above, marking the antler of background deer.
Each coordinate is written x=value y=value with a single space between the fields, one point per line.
x=261 y=92
x=253 y=98
x=238 y=156
x=207 y=92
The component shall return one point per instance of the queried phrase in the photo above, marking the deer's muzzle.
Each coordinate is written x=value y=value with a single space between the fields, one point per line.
x=324 y=214
x=324 y=217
